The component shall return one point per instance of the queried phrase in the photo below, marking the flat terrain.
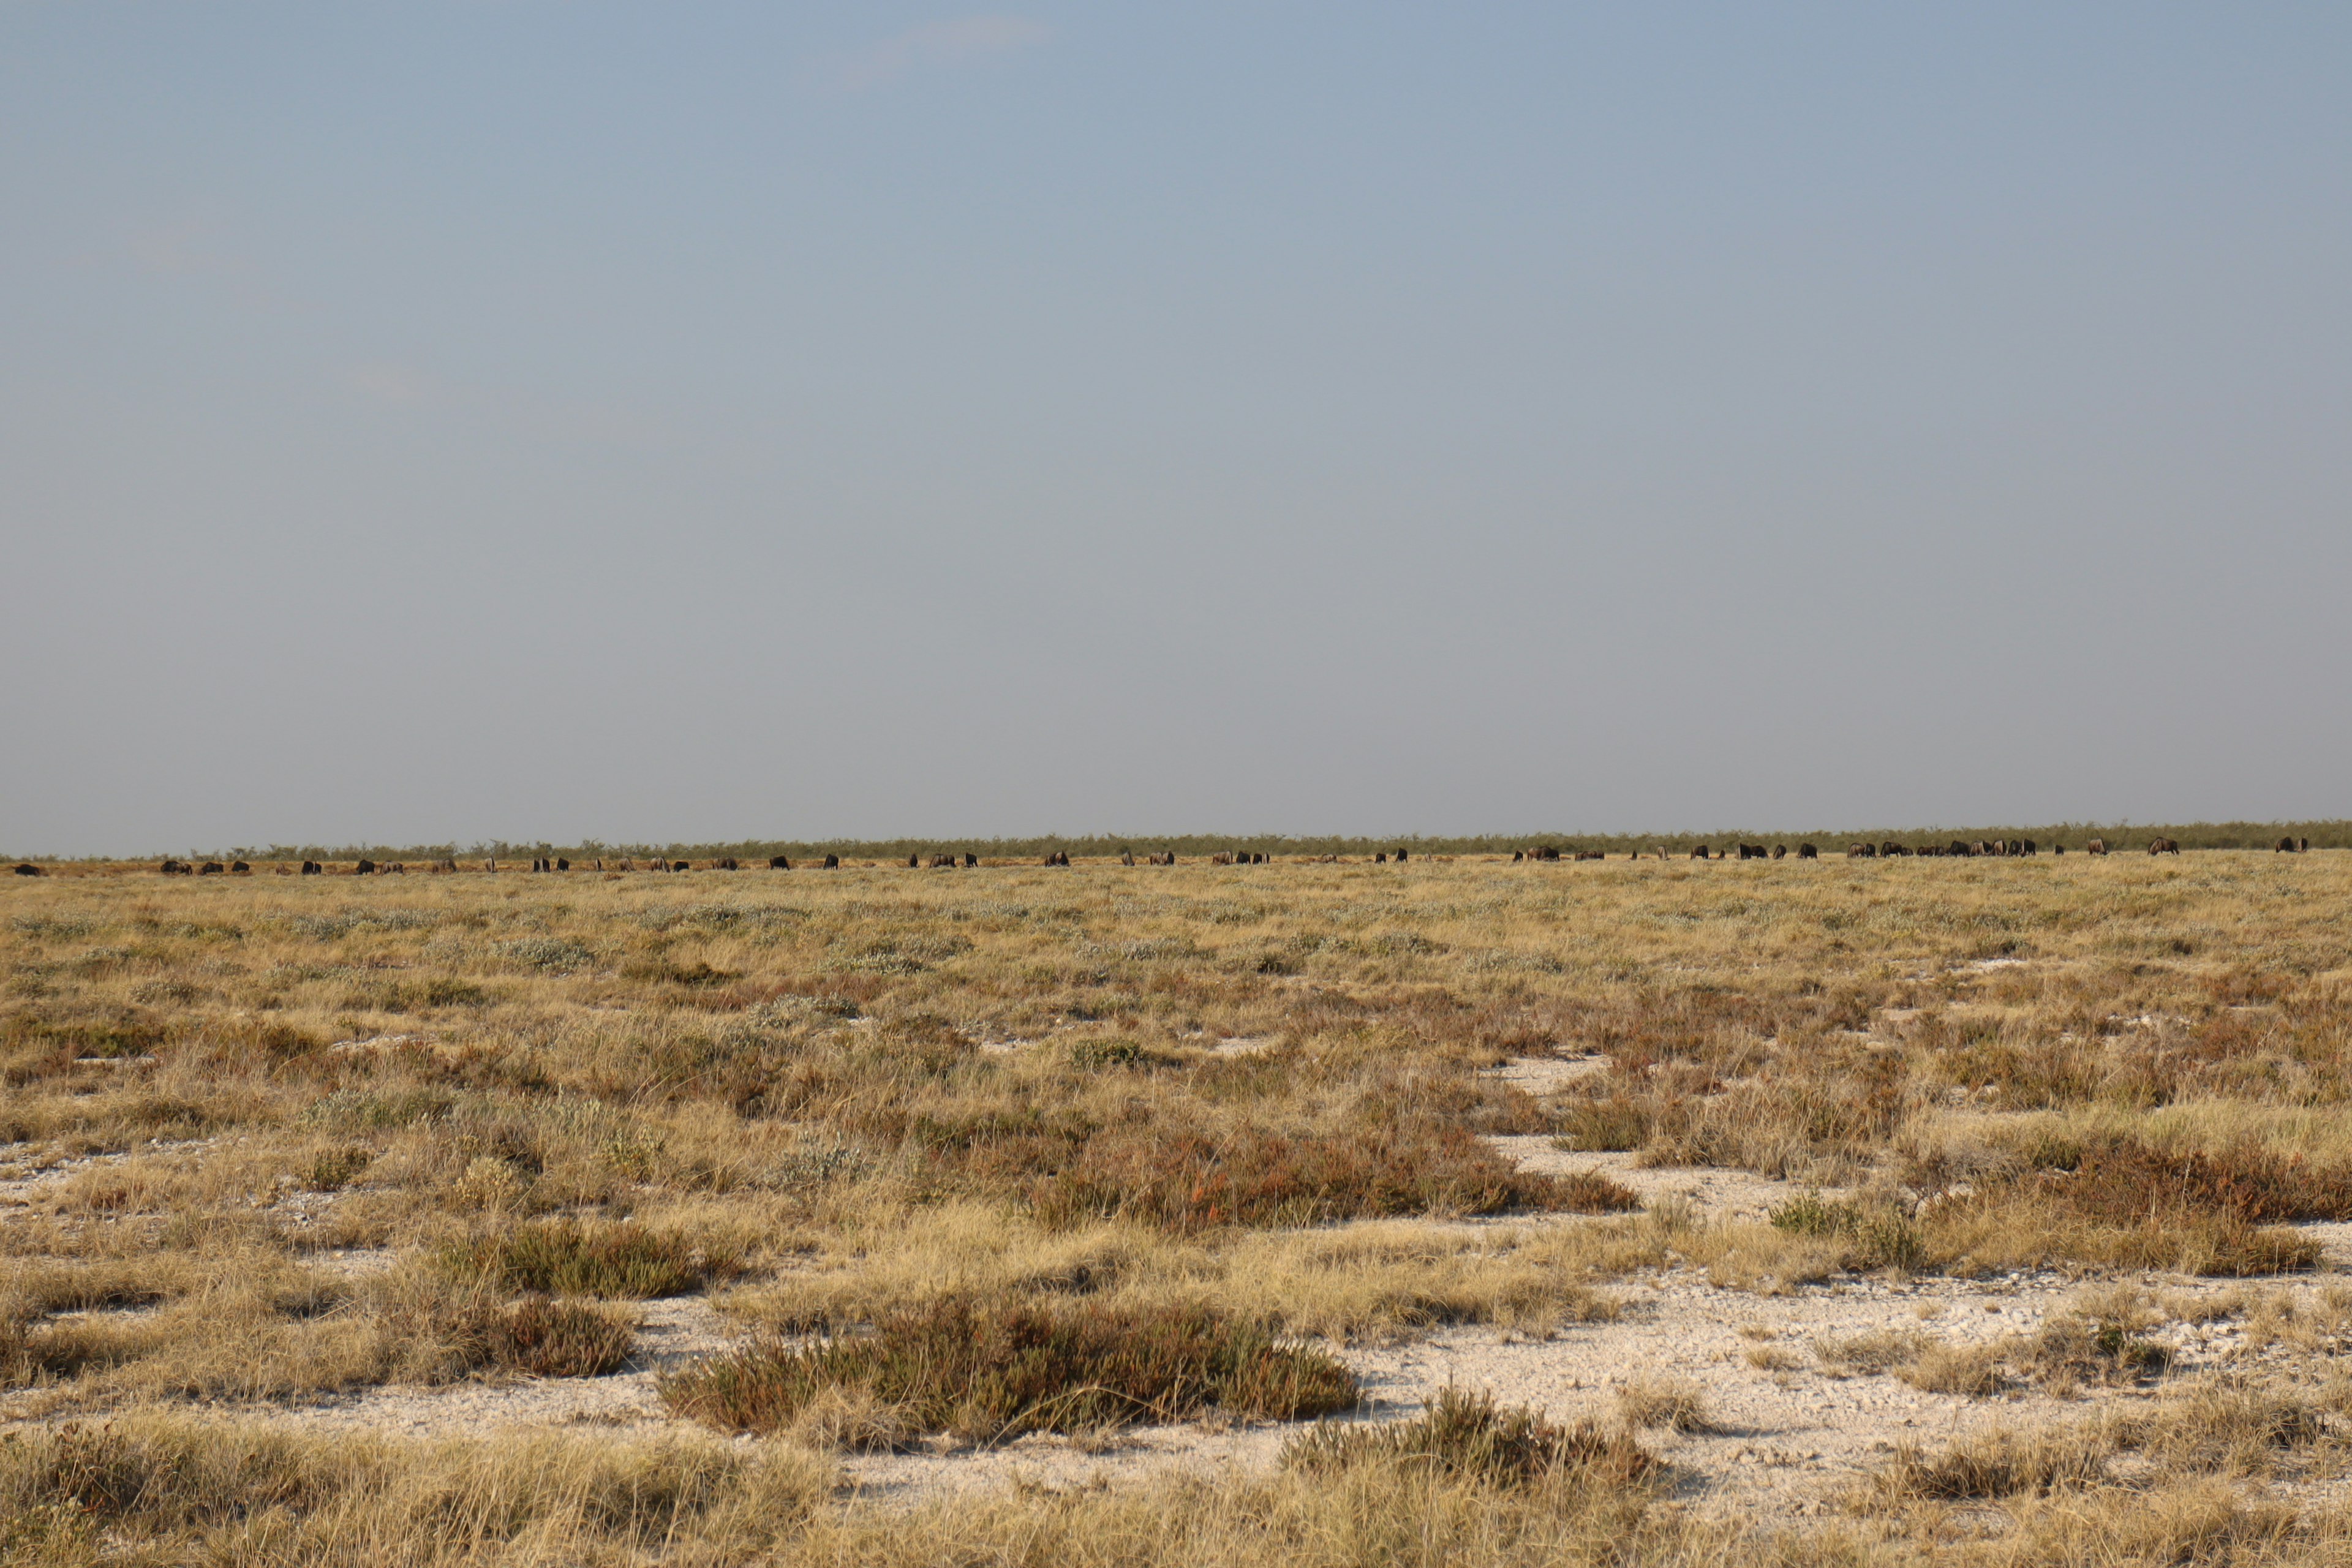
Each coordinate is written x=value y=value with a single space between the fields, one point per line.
x=1887 y=1210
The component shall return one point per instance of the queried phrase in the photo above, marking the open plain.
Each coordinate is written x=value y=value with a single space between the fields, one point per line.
x=1842 y=1211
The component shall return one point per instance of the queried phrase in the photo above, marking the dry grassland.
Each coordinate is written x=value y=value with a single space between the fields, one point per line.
x=1453 y=1211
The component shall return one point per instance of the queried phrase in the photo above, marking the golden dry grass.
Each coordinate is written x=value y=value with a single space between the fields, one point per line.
x=272 y=1137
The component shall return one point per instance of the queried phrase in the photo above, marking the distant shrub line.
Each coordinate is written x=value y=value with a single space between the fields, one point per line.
x=2330 y=834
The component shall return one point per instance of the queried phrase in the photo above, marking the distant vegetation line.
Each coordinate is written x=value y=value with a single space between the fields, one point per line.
x=2335 y=834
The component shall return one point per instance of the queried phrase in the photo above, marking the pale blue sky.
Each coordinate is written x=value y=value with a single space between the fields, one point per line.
x=507 y=418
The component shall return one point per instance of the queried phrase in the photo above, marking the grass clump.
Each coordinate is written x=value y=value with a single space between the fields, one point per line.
x=565 y=1256
x=1877 y=1236
x=989 y=1374
x=1465 y=1437
x=546 y=1338
x=1251 y=1177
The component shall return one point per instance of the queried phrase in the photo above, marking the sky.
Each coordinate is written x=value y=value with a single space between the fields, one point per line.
x=547 y=420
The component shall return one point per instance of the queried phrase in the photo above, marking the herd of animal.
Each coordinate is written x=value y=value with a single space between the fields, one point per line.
x=1542 y=852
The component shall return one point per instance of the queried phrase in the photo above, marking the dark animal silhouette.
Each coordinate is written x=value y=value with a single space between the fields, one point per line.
x=1808 y=852
x=1381 y=858
x=941 y=862
x=239 y=868
x=913 y=862
x=26 y=868
x=2283 y=846
x=2057 y=849
x=1518 y=855
x=1753 y=852
x=2095 y=847
x=1862 y=851
x=779 y=863
x=2165 y=846
x=169 y=868
x=1700 y=853
x=312 y=869
x=729 y=864
x=1780 y=852
x=832 y=862
x=2301 y=845
x=213 y=868
x=1400 y=857
x=562 y=864
x=365 y=868
x=1127 y=857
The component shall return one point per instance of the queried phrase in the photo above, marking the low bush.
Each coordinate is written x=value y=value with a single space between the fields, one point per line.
x=2127 y=1180
x=1878 y=1235
x=567 y=1257
x=1193 y=1182
x=1463 y=1436
x=557 y=1339
x=1614 y=1125
x=990 y=1373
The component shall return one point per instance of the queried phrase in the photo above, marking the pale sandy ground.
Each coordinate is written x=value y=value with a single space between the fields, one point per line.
x=1784 y=1441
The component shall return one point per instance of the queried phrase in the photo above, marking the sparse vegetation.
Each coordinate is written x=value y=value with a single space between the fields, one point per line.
x=1017 y=1149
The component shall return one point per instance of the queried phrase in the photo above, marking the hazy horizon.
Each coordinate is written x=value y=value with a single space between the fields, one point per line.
x=430 y=423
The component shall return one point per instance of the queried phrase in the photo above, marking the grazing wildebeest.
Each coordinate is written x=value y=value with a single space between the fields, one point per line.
x=1957 y=847
x=941 y=862
x=1780 y=852
x=2283 y=846
x=1518 y=855
x=1127 y=857
x=1381 y=858
x=1891 y=847
x=312 y=869
x=168 y=869
x=1399 y=857
x=2301 y=845
x=1592 y=855
x=1808 y=852
x=681 y=865
x=1222 y=857
x=1699 y=852
x=2165 y=846
x=1166 y=860
x=26 y=868
x=2095 y=847
x=562 y=864
x=913 y=862
x=779 y=863
x=1752 y=852
x=213 y=868
x=1862 y=851
x=365 y=868
x=729 y=864
x=832 y=862
x=239 y=868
